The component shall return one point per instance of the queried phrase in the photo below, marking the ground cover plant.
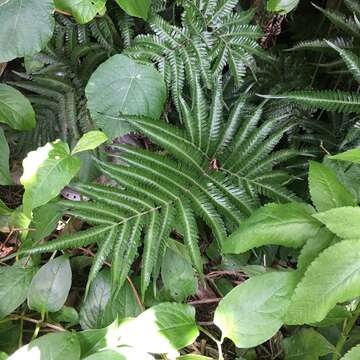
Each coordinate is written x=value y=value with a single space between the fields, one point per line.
x=179 y=179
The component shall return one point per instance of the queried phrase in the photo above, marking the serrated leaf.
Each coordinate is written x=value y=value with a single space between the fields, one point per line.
x=252 y=312
x=138 y=8
x=5 y=177
x=352 y=354
x=50 y=286
x=162 y=328
x=326 y=191
x=15 y=109
x=178 y=275
x=47 y=171
x=281 y=6
x=92 y=311
x=89 y=141
x=312 y=249
x=307 y=344
x=333 y=277
x=350 y=155
x=25 y=27
x=14 y=284
x=57 y=346
x=277 y=224
x=120 y=85
x=82 y=10
x=344 y=221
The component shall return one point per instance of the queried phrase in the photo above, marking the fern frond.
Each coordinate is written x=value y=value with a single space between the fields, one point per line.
x=328 y=100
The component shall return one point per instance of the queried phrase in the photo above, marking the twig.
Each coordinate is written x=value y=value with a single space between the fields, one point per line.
x=204 y=301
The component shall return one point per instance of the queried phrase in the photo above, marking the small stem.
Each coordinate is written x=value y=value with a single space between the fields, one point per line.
x=218 y=342
x=348 y=325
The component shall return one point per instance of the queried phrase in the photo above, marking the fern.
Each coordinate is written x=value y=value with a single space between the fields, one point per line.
x=173 y=188
x=211 y=37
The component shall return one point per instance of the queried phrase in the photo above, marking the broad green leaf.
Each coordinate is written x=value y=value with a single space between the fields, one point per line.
x=66 y=314
x=336 y=315
x=91 y=140
x=123 y=353
x=9 y=336
x=50 y=286
x=124 y=305
x=178 y=275
x=352 y=354
x=57 y=346
x=5 y=177
x=162 y=328
x=47 y=171
x=326 y=191
x=277 y=224
x=282 y=6
x=14 y=284
x=312 y=248
x=252 y=312
x=333 y=277
x=92 y=311
x=15 y=109
x=43 y=223
x=350 y=155
x=121 y=85
x=3 y=356
x=307 y=344
x=25 y=27
x=344 y=221
x=82 y=10
x=138 y=8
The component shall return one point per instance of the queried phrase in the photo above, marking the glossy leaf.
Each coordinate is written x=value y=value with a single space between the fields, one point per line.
x=121 y=85
x=14 y=284
x=277 y=224
x=138 y=8
x=17 y=17
x=57 y=346
x=162 y=328
x=47 y=171
x=307 y=344
x=92 y=310
x=178 y=275
x=50 y=286
x=344 y=221
x=5 y=177
x=89 y=141
x=350 y=155
x=281 y=6
x=15 y=109
x=333 y=277
x=82 y=10
x=326 y=191
x=252 y=312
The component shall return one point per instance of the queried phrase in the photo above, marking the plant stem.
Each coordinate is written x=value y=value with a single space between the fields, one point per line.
x=348 y=325
x=218 y=342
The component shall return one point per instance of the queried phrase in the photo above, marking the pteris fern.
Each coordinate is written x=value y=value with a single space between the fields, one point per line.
x=217 y=168
x=347 y=48
x=211 y=37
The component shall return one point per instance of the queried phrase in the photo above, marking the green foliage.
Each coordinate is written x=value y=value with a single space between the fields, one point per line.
x=16 y=18
x=139 y=8
x=5 y=177
x=252 y=312
x=15 y=109
x=50 y=286
x=281 y=6
x=139 y=91
x=52 y=164
x=352 y=354
x=307 y=344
